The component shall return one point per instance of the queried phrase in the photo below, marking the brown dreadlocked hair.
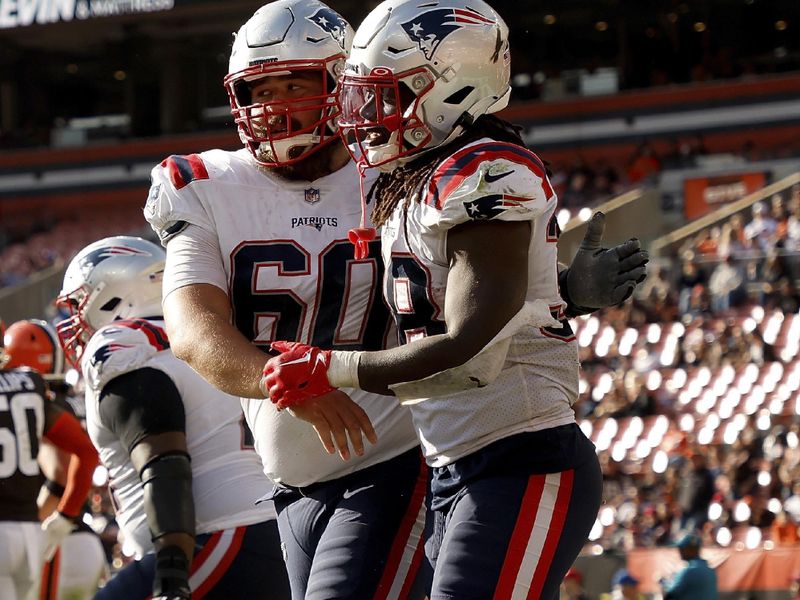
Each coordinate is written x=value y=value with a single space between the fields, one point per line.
x=402 y=183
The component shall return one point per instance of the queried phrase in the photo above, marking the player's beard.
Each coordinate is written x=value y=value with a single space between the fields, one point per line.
x=318 y=164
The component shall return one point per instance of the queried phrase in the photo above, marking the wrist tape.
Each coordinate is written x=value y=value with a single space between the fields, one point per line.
x=343 y=369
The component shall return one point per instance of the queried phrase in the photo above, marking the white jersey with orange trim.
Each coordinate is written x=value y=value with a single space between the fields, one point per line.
x=538 y=382
x=226 y=473
x=280 y=250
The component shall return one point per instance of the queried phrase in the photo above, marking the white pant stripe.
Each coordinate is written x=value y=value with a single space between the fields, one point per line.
x=406 y=559
x=541 y=527
x=212 y=560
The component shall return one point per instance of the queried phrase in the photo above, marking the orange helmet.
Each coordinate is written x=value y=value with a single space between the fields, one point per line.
x=3 y=356
x=34 y=343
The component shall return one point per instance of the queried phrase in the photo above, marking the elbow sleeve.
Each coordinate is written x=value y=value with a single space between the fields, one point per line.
x=168 y=501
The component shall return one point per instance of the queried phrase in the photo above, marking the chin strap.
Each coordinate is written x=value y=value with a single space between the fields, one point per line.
x=361 y=236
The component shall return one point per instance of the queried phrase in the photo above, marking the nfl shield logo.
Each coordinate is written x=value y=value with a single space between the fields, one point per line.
x=312 y=195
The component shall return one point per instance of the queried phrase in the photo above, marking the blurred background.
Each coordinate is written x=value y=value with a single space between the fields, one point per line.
x=680 y=119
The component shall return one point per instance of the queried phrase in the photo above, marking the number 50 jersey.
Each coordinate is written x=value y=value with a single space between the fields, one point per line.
x=22 y=408
x=279 y=249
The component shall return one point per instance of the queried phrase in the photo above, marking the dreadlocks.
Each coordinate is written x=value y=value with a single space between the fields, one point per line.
x=403 y=182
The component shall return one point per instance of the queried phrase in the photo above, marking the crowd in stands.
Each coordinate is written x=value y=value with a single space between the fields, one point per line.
x=589 y=182
x=690 y=391
x=55 y=243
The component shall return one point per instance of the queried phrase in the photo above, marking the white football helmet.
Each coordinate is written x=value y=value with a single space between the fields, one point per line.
x=419 y=71
x=282 y=37
x=114 y=278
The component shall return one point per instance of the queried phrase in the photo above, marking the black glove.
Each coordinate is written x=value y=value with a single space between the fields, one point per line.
x=172 y=575
x=600 y=277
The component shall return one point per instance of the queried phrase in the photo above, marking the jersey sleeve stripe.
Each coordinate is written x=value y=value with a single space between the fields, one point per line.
x=198 y=166
x=183 y=170
x=156 y=336
x=464 y=163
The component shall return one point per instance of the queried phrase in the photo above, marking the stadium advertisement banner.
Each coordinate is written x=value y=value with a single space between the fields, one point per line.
x=21 y=13
x=704 y=194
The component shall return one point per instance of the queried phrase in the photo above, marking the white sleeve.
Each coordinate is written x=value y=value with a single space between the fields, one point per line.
x=175 y=200
x=193 y=256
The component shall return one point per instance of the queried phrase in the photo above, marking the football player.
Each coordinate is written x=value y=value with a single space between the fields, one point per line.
x=183 y=475
x=26 y=418
x=258 y=250
x=79 y=563
x=469 y=241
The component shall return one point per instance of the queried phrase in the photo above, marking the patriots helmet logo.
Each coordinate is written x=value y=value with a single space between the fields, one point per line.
x=428 y=29
x=331 y=23
x=488 y=207
x=95 y=257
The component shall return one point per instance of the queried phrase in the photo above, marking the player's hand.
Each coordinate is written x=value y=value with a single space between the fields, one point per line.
x=297 y=375
x=336 y=418
x=56 y=527
x=600 y=277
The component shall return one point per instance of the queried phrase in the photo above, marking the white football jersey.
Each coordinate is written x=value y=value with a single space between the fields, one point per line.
x=285 y=262
x=538 y=382
x=226 y=473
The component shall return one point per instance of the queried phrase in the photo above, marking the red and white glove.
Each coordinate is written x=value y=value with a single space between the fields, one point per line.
x=298 y=374
x=302 y=372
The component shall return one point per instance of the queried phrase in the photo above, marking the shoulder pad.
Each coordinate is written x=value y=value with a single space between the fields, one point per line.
x=120 y=348
x=487 y=180
x=173 y=203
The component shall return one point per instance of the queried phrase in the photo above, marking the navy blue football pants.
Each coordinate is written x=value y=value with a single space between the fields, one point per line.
x=359 y=537
x=510 y=519
x=243 y=562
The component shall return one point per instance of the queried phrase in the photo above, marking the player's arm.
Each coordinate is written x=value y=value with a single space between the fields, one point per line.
x=144 y=410
x=65 y=432
x=197 y=313
x=484 y=291
x=198 y=323
x=54 y=464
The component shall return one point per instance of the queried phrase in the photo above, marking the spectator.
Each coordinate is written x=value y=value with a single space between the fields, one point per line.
x=624 y=586
x=572 y=587
x=695 y=489
x=784 y=297
x=784 y=529
x=697 y=581
x=761 y=228
x=737 y=242
x=689 y=277
x=726 y=285
x=644 y=165
x=792 y=503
